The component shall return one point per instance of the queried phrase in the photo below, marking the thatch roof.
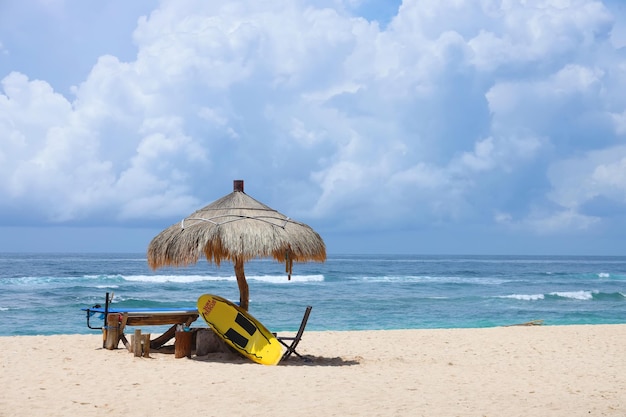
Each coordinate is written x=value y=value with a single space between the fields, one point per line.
x=236 y=228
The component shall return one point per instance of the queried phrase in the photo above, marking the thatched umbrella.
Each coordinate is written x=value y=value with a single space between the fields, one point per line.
x=236 y=228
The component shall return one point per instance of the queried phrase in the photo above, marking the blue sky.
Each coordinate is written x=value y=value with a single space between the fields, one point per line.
x=421 y=126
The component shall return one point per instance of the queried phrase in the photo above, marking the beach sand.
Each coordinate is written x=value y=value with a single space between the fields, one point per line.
x=505 y=371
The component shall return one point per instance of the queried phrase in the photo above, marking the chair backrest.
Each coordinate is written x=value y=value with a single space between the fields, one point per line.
x=291 y=348
x=305 y=318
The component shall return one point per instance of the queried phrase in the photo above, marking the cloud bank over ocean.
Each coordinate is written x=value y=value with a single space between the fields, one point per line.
x=463 y=123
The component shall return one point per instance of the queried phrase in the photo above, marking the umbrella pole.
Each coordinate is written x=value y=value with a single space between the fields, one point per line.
x=244 y=294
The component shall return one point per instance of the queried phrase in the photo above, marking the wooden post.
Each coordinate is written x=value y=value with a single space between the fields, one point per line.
x=123 y=322
x=137 y=343
x=125 y=342
x=145 y=344
x=182 y=345
x=104 y=326
x=244 y=292
x=113 y=332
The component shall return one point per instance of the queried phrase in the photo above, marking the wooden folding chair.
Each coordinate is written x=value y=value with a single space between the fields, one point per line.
x=291 y=347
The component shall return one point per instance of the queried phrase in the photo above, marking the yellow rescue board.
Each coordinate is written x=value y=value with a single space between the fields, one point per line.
x=240 y=330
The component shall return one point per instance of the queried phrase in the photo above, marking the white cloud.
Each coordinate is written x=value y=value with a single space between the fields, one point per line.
x=619 y=121
x=582 y=190
x=504 y=154
x=565 y=221
x=529 y=32
x=59 y=155
x=578 y=180
x=531 y=104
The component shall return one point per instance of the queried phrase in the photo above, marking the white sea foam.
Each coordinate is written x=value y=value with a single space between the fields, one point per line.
x=576 y=295
x=427 y=279
x=604 y=275
x=282 y=279
x=175 y=278
x=276 y=279
x=524 y=297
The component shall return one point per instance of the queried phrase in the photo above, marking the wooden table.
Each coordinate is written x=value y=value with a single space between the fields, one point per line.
x=120 y=317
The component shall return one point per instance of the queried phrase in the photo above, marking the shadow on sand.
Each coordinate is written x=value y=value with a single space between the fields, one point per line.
x=306 y=360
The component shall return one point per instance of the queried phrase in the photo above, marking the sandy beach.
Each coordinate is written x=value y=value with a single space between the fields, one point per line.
x=504 y=371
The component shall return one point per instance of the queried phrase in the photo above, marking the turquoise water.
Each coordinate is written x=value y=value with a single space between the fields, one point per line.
x=44 y=293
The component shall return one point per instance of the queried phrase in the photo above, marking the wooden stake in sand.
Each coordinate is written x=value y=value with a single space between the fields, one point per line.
x=145 y=344
x=113 y=332
x=182 y=345
x=140 y=344
x=136 y=343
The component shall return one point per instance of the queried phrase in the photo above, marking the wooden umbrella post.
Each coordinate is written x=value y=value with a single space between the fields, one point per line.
x=244 y=293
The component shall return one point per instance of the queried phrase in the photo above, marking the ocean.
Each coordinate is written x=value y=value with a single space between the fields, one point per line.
x=43 y=294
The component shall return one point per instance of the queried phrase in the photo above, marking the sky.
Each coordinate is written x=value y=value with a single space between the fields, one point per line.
x=396 y=127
